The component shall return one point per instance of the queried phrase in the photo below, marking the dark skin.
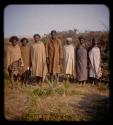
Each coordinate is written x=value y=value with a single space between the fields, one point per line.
x=68 y=42
x=36 y=39
x=53 y=36
x=39 y=79
x=24 y=43
x=94 y=80
x=67 y=75
x=82 y=43
x=14 y=42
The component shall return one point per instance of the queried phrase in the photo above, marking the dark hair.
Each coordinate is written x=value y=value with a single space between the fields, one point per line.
x=36 y=35
x=13 y=38
x=94 y=41
x=53 y=31
x=81 y=37
x=24 y=39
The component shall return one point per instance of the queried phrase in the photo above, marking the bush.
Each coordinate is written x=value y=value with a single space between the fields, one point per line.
x=59 y=91
x=102 y=87
x=6 y=77
x=43 y=91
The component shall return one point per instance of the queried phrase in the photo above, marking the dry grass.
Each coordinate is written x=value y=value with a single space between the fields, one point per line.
x=80 y=103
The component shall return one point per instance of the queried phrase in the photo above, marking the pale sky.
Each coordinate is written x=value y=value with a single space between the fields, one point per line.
x=27 y=20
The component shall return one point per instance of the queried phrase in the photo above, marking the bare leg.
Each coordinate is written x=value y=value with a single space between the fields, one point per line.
x=57 y=78
x=51 y=77
x=96 y=81
x=84 y=83
x=39 y=80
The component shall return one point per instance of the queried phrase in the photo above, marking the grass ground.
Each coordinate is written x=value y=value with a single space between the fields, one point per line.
x=71 y=102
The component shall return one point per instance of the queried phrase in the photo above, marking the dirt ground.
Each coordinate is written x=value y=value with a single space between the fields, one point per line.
x=79 y=103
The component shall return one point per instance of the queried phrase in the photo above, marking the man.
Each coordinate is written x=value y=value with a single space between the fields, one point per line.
x=81 y=59
x=25 y=52
x=94 y=58
x=69 y=59
x=54 y=55
x=14 y=59
x=38 y=59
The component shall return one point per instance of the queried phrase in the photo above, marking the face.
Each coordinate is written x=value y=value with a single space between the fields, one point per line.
x=53 y=35
x=36 y=38
x=14 y=42
x=24 y=43
x=82 y=41
x=95 y=44
x=68 y=42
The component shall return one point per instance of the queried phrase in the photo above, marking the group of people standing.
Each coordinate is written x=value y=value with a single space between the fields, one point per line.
x=40 y=59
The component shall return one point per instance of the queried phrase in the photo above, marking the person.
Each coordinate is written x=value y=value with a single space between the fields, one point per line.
x=81 y=61
x=94 y=65
x=54 y=56
x=69 y=59
x=14 y=60
x=38 y=59
x=25 y=52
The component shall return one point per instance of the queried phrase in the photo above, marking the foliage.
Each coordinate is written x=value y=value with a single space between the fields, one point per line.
x=43 y=91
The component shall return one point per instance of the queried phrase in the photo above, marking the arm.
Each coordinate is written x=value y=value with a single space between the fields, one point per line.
x=30 y=56
x=96 y=60
x=47 y=54
x=7 y=58
x=60 y=51
x=21 y=60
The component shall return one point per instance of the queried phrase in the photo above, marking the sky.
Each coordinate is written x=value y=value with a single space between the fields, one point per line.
x=27 y=20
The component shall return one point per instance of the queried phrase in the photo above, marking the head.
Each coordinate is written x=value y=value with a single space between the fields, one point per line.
x=36 y=37
x=53 y=34
x=24 y=41
x=69 y=40
x=14 y=40
x=94 y=42
x=81 y=40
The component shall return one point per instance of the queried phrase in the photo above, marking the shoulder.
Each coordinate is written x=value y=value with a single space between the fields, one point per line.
x=9 y=47
x=47 y=42
x=28 y=46
x=42 y=44
x=64 y=46
x=58 y=40
x=31 y=46
x=18 y=46
x=95 y=49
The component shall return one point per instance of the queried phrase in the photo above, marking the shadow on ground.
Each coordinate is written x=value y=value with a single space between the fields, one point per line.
x=94 y=105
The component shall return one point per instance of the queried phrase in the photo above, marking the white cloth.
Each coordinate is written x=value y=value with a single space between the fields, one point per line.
x=94 y=56
x=69 y=60
x=69 y=39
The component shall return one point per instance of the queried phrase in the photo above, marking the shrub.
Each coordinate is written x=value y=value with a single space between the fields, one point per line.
x=59 y=91
x=43 y=91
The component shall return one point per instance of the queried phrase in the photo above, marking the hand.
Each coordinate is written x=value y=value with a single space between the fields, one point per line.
x=9 y=68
